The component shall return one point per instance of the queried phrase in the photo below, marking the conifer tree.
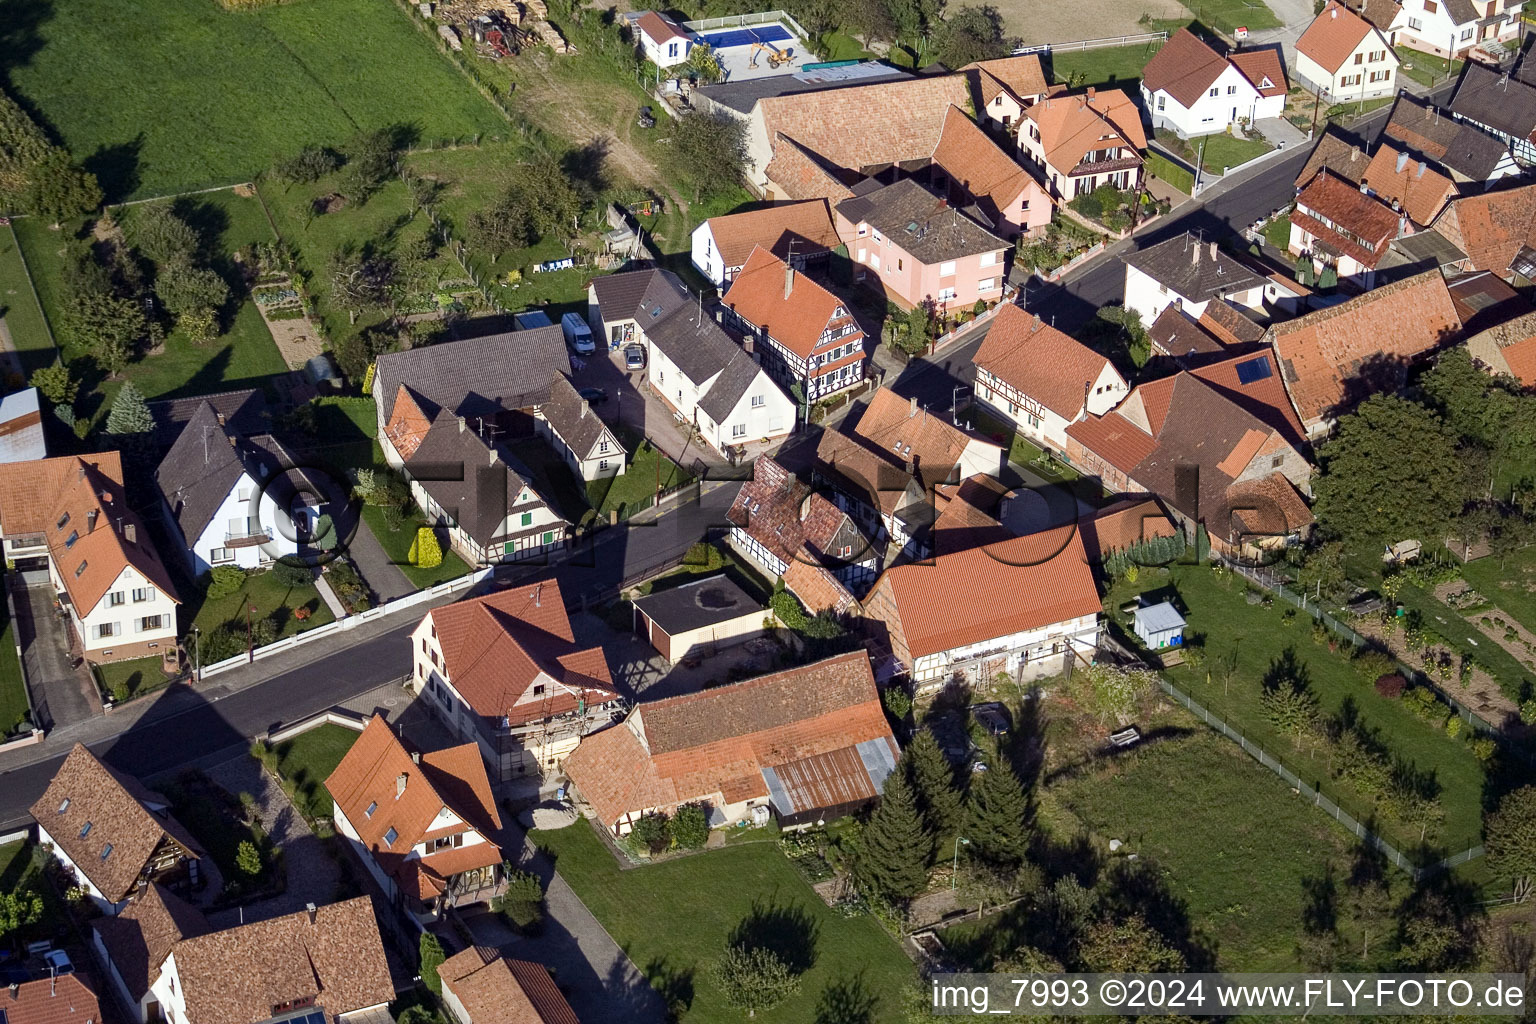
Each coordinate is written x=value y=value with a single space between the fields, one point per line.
x=933 y=785
x=895 y=846
x=997 y=813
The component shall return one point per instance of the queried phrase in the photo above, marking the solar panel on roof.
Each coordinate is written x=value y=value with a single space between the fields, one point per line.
x=1256 y=369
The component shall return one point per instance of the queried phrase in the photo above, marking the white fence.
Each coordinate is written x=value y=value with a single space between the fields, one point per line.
x=347 y=622
x=330 y=716
x=1095 y=44
x=743 y=20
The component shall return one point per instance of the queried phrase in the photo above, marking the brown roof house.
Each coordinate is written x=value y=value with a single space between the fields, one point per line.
x=505 y=671
x=1004 y=87
x=320 y=964
x=805 y=745
x=480 y=986
x=1029 y=607
x=1193 y=88
x=1209 y=459
x=424 y=824
x=1134 y=528
x=1345 y=57
x=1408 y=184
x=1191 y=274
x=882 y=469
x=802 y=232
x=1508 y=348
x=65 y=999
x=1082 y=142
x=578 y=434
x=1496 y=230
x=805 y=335
x=1335 y=357
x=113 y=835
x=70 y=515
x=1041 y=379
x=1468 y=153
x=1344 y=227
x=777 y=521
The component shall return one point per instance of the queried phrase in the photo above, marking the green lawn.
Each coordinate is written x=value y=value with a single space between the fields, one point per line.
x=1512 y=587
x=647 y=466
x=123 y=680
x=269 y=597
x=1226 y=15
x=674 y=918
x=1216 y=607
x=553 y=476
x=1278 y=232
x=1214 y=152
x=23 y=317
x=1428 y=69
x=13 y=687
x=1161 y=167
x=1113 y=66
x=181 y=95
x=397 y=544
x=307 y=760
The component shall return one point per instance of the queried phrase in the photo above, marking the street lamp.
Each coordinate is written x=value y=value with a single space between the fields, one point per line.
x=250 y=643
x=197 y=655
x=954 y=869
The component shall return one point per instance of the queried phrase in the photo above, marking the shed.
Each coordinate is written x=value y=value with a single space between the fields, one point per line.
x=1159 y=625
x=699 y=616
x=528 y=319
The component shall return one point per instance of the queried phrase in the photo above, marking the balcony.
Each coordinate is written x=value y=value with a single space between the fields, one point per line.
x=245 y=539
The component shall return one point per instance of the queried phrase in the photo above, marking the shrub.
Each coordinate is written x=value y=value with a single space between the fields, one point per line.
x=690 y=827
x=1453 y=726
x=522 y=902
x=1391 y=685
x=898 y=703
x=425 y=552
x=223 y=581
x=248 y=858
x=1528 y=711
x=292 y=574
x=654 y=831
x=1425 y=706
x=1320 y=634
x=1373 y=663
x=431 y=952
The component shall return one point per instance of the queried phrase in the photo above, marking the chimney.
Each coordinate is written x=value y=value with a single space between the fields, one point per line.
x=1092 y=92
x=1194 y=255
x=90 y=519
x=583 y=408
x=80 y=473
x=789 y=279
x=461 y=424
x=400 y=785
x=1333 y=12
x=131 y=533
x=1402 y=161
x=220 y=417
x=1354 y=153
x=1422 y=168
x=490 y=456
x=310 y=907
x=1213 y=252
x=15 y=990
x=538 y=595
x=805 y=507
x=415 y=757
x=912 y=408
x=1036 y=327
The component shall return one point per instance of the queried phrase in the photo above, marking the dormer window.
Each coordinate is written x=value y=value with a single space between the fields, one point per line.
x=391 y=836
x=371 y=808
x=86 y=830
x=538 y=688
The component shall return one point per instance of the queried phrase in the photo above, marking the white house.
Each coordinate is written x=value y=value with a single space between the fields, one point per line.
x=1041 y=379
x=505 y=671
x=233 y=500
x=70 y=515
x=1193 y=89
x=695 y=367
x=662 y=41
x=1345 y=57
x=578 y=434
x=1453 y=27
x=1188 y=272
x=801 y=232
x=422 y=823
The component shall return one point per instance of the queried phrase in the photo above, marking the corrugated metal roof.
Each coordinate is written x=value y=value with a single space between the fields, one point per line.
x=822 y=780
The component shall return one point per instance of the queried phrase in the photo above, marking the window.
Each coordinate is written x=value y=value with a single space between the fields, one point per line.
x=371 y=808
x=1415 y=24
x=391 y=836
x=150 y=622
x=1431 y=7
x=758 y=401
x=86 y=830
x=1466 y=34
x=106 y=629
x=1231 y=90
x=1162 y=101
x=244 y=494
x=527 y=519
x=1377 y=56
x=1215 y=91
x=141 y=594
x=947 y=268
x=738 y=430
x=602 y=466
x=986 y=284
x=1277 y=462
x=988 y=259
x=106 y=851
x=671 y=49
x=114 y=599
x=901 y=264
x=69 y=541
x=877 y=236
x=220 y=555
x=64 y=806
x=874 y=260
x=863 y=230
x=838 y=311
x=602 y=447
x=1359 y=58
x=1380 y=76
x=63 y=521
x=538 y=688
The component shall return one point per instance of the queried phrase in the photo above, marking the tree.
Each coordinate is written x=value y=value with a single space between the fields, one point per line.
x=222 y=581
x=933 y=784
x=1290 y=708
x=19 y=909
x=1323 y=569
x=1392 y=473
x=1110 y=693
x=971 y=34
x=370 y=162
x=130 y=413
x=501 y=228
x=522 y=901
x=58 y=189
x=690 y=827
x=754 y=978
x=184 y=287
x=703 y=62
x=359 y=281
x=1367 y=897
x=418 y=1014
x=552 y=200
x=425 y=552
x=997 y=813
x=1509 y=835
x=107 y=326
x=431 y=953
x=56 y=384
x=894 y=848
x=711 y=150
x=22 y=145
x=165 y=238
x=1127 y=947
x=654 y=831
x=248 y=858
x=1435 y=933
x=309 y=164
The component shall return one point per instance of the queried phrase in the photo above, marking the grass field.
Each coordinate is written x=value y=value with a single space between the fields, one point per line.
x=13 y=686
x=269 y=597
x=1428 y=69
x=125 y=679
x=180 y=95
x=1512 y=587
x=1226 y=15
x=397 y=544
x=1214 y=152
x=674 y=918
x=1278 y=232
x=1113 y=66
x=307 y=760
x=1170 y=172
x=1217 y=608
x=23 y=316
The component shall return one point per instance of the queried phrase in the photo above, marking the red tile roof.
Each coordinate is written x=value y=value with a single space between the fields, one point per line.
x=1333 y=36
x=1184 y=68
x=1372 y=223
x=1264 y=397
x=691 y=747
x=1491 y=227
x=791 y=307
x=408 y=424
x=1022 y=76
x=1323 y=350
x=792 y=521
x=659 y=29
x=140 y=938
x=1259 y=66
x=1015 y=585
x=63 y=1000
x=1266 y=507
x=1073 y=126
x=1421 y=190
x=807 y=226
x=991 y=177
x=1046 y=364
x=497 y=990
x=1123 y=525
x=495 y=647
x=800 y=174
x=1515 y=342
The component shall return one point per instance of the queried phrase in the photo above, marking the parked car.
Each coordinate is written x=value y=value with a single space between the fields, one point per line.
x=634 y=357
x=577 y=334
x=594 y=396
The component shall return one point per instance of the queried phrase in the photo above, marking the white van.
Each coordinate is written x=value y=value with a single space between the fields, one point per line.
x=577 y=334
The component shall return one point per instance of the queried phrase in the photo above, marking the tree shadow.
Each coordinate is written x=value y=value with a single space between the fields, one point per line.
x=673 y=984
x=1138 y=887
x=1287 y=671
x=785 y=930
x=116 y=167
x=846 y=1001
x=1320 y=901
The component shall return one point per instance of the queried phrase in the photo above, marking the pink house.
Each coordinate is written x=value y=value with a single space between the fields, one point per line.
x=912 y=246
x=973 y=172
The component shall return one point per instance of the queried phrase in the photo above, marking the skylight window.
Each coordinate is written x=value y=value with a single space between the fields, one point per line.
x=655 y=312
x=63 y=521
x=391 y=836
x=371 y=808
x=86 y=830
x=64 y=806
x=80 y=569
x=1253 y=370
x=69 y=541
x=106 y=851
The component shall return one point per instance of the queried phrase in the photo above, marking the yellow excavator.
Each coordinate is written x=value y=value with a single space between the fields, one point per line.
x=777 y=58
